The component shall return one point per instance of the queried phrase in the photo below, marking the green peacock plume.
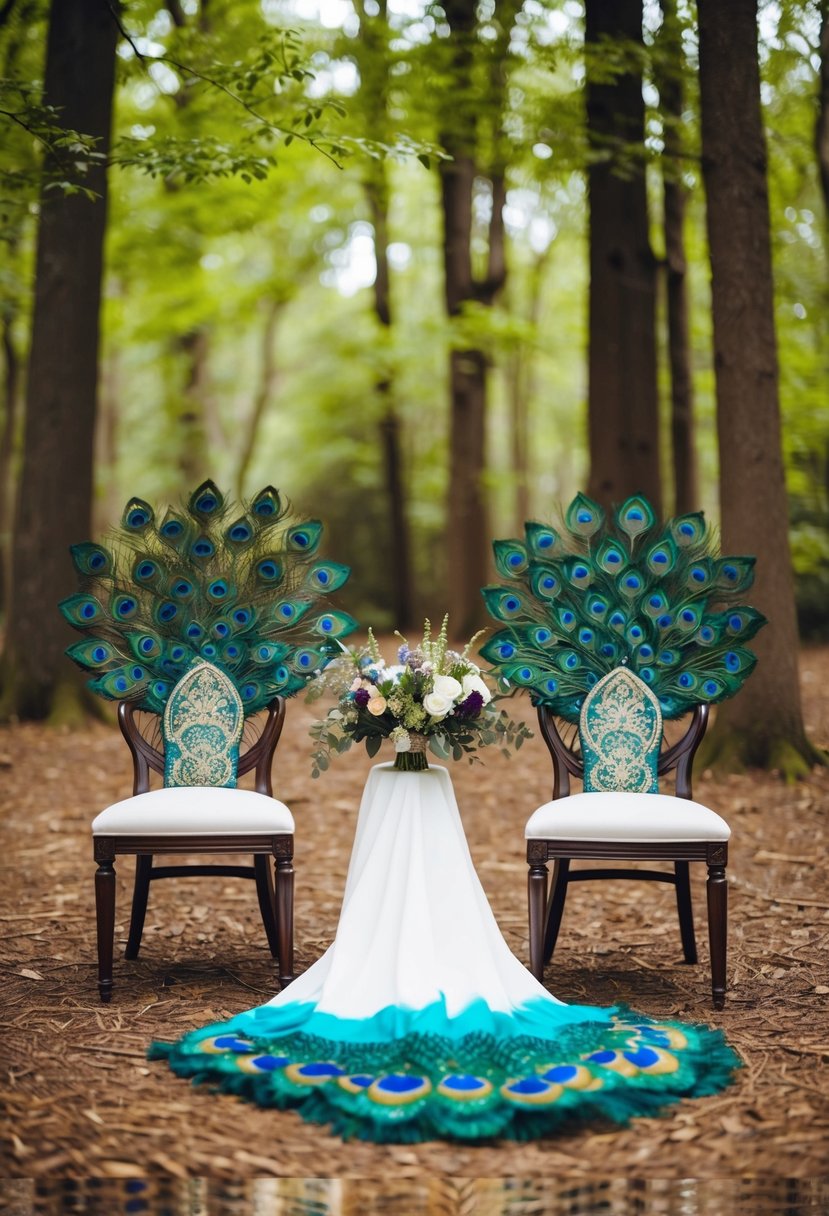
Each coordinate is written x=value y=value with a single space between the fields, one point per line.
x=604 y=592
x=211 y=580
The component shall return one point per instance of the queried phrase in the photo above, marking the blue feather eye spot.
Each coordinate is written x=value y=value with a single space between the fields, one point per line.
x=646 y=673
x=636 y=632
x=655 y=601
x=305 y=659
x=580 y=572
x=167 y=612
x=735 y=622
x=617 y=619
x=268 y=570
x=608 y=650
x=137 y=673
x=571 y=661
x=249 y=690
x=172 y=530
x=301 y=539
x=646 y=651
x=688 y=616
x=545 y=540
x=323 y=577
x=240 y=532
x=194 y=630
x=585 y=517
x=146 y=571
x=665 y=622
x=203 y=548
x=686 y=529
x=121 y=684
x=635 y=514
x=146 y=645
x=96 y=561
x=551 y=685
x=265 y=507
x=182 y=588
x=99 y=654
x=730 y=573
x=686 y=680
x=667 y=657
x=698 y=574
x=177 y=654
x=660 y=557
x=264 y=652
x=241 y=616
x=206 y=504
x=506 y=650
x=525 y=673
x=590 y=679
x=586 y=636
x=160 y=688
x=568 y=617
x=542 y=635
x=137 y=518
x=88 y=611
x=515 y=559
x=706 y=633
x=232 y=651
x=549 y=583
x=326 y=624
x=221 y=629
x=209 y=650
x=512 y=604
x=732 y=661
x=126 y=606
x=287 y=611
x=633 y=581
x=281 y=674
x=598 y=608
x=613 y=558
x=711 y=688
x=217 y=589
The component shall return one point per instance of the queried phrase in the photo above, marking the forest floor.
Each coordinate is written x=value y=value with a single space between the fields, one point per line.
x=80 y=1099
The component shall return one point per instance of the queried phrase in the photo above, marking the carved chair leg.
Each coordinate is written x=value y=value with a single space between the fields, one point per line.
x=265 y=891
x=717 y=889
x=284 y=868
x=555 y=907
x=537 y=901
x=105 y=915
x=143 y=866
x=685 y=910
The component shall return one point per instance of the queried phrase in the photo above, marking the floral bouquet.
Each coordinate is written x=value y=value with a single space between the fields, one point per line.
x=432 y=697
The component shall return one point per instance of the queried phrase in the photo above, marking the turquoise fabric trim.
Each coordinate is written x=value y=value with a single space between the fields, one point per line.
x=202 y=726
x=620 y=729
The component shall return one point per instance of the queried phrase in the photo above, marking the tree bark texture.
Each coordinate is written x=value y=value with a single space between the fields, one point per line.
x=763 y=724
x=55 y=491
x=683 y=439
x=623 y=406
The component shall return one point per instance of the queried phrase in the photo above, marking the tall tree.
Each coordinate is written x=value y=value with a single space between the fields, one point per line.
x=822 y=123
x=55 y=492
x=764 y=724
x=623 y=405
x=670 y=82
x=468 y=539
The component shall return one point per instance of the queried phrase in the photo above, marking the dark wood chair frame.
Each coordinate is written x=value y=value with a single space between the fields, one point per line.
x=545 y=912
x=276 y=894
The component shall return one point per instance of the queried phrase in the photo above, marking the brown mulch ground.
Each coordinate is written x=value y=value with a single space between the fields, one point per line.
x=81 y=1100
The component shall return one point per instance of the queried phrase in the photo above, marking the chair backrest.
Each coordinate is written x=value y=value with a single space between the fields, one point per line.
x=564 y=745
x=143 y=733
x=202 y=726
x=620 y=730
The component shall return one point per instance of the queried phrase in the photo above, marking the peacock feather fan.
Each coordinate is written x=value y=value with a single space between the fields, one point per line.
x=236 y=585
x=625 y=589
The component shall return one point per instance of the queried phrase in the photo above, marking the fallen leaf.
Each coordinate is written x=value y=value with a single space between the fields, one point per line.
x=35 y=975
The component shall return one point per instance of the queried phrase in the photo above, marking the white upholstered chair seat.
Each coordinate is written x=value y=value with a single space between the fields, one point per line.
x=200 y=810
x=625 y=817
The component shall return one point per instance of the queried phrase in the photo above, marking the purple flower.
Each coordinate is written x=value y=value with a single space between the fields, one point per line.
x=362 y=697
x=470 y=707
x=403 y=653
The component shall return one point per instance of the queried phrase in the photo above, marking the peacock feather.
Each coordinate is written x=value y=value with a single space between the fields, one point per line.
x=236 y=585
x=604 y=591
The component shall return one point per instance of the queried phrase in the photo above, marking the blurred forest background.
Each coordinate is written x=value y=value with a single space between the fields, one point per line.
x=430 y=269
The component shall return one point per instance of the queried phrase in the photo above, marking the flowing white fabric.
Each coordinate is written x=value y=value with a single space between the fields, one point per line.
x=416 y=927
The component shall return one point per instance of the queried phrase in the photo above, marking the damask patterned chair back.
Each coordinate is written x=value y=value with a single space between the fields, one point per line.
x=620 y=730
x=202 y=726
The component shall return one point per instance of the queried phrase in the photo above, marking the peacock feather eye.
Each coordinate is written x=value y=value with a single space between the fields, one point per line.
x=511 y=557
x=327 y=576
x=645 y=651
x=635 y=516
x=304 y=537
x=240 y=533
x=137 y=516
x=242 y=617
x=202 y=548
x=91 y=560
x=583 y=516
x=541 y=540
x=195 y=631
x=124 y=607
x=207 y=499
x=266 y=505
x=172 y=529
x=218 y=590
x=221 y=629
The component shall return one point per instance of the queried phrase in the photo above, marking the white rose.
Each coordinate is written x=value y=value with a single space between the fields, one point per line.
x=446 y=686
x=473 y=683
x=436 y=705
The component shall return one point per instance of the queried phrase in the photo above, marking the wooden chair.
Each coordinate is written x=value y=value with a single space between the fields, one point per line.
x=626 y=827
x=196 y=819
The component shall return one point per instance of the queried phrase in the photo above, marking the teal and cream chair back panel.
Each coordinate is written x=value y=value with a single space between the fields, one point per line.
x=620 y=729
x=202 y=727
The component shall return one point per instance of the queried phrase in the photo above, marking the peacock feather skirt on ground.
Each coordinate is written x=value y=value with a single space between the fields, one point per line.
x=419 y=1023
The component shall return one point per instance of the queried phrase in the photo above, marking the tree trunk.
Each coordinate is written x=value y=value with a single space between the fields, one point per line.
x=683 y=440
x=623 y=407
x=264 y=393
x=107 y=502
x=763 y=725
x=822 y=124
x=55 y=491
x=11 y=393
x=191 y=415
